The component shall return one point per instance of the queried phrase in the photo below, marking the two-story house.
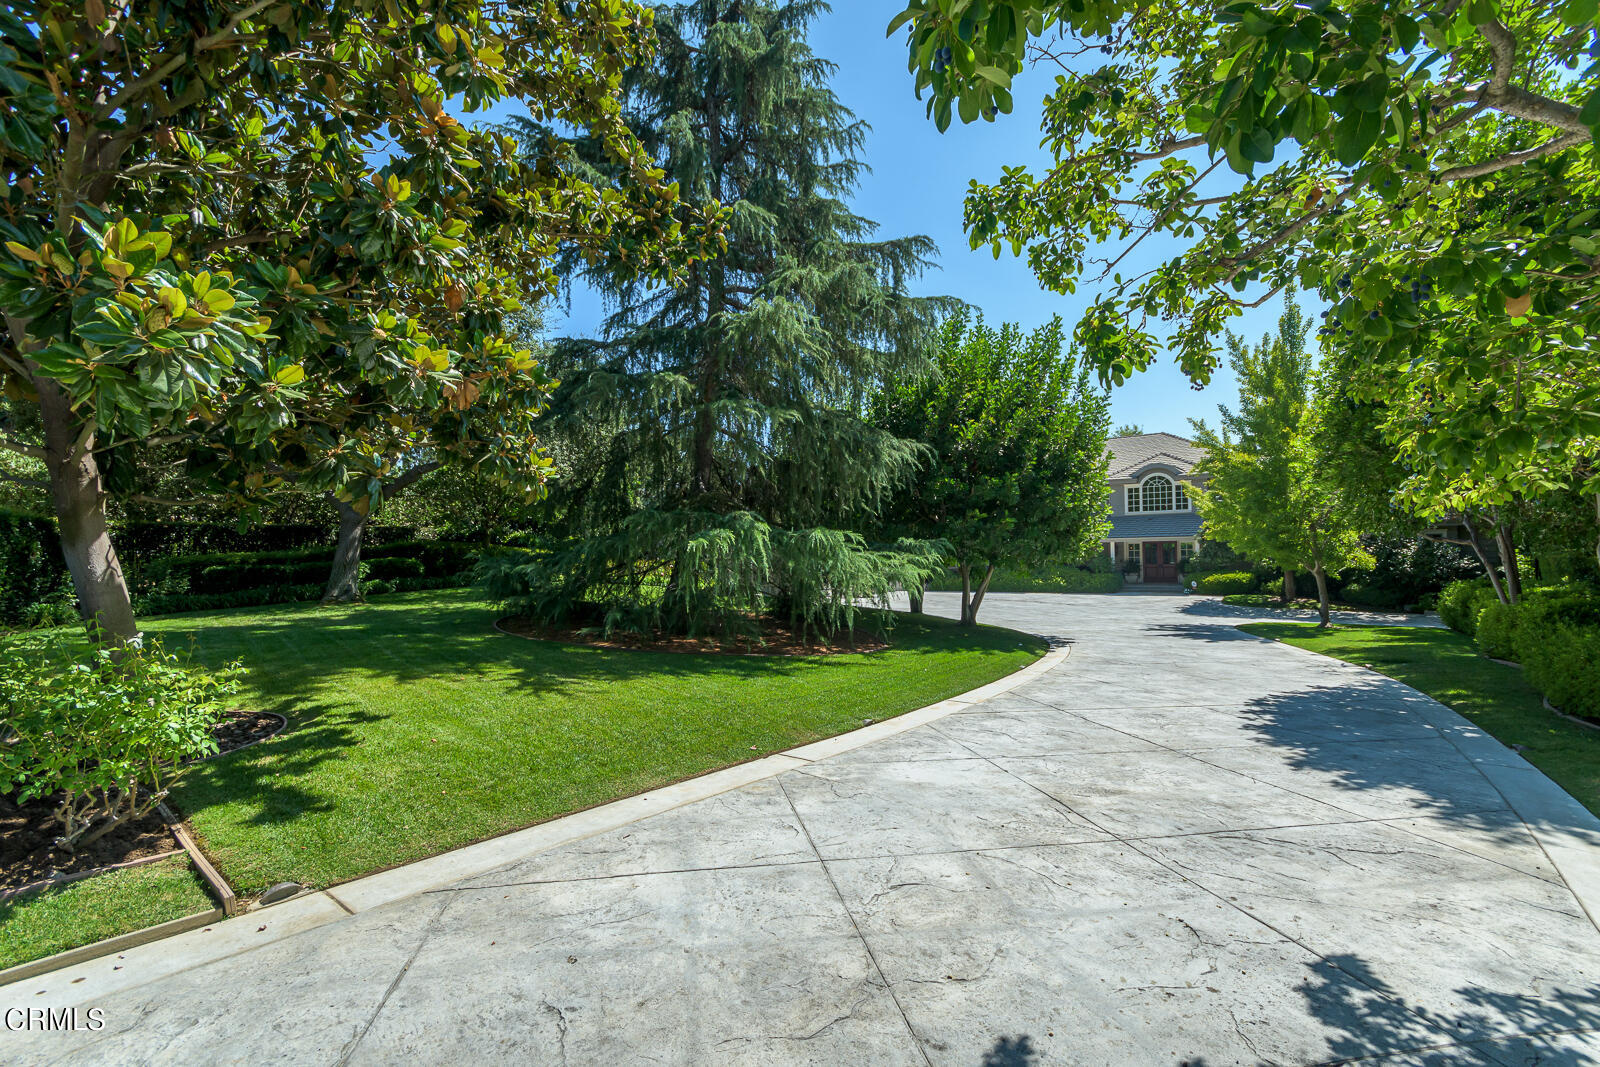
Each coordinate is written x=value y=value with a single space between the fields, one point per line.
x=1153 y=520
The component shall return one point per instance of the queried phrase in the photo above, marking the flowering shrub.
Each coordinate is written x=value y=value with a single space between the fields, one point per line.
x=102 y=733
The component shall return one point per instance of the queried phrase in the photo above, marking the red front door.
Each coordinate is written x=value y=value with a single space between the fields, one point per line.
x=1161 y=561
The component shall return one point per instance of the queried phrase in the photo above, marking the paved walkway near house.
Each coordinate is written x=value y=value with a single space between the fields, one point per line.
x=1182 y=845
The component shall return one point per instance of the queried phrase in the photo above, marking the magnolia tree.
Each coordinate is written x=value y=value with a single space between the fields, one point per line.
x=1428 y=169
x=1015 y=435
x=254 y=230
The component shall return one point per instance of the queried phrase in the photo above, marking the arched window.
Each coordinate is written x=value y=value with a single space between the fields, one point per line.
x=1157 y=493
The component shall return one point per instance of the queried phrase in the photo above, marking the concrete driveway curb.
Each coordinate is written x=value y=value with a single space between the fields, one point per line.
x=1568 y=832
x=79 y=983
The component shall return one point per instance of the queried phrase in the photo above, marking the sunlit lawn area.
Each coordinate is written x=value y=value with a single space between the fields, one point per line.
x=1449 y=668
x=416 y=727
x=106 y=905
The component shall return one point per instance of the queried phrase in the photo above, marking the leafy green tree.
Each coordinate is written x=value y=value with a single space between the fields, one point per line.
x=1016 y=436
x=1267 y=490
x=722 y=462
x=1128 y=429
x=1429 y=169
x=254 y=230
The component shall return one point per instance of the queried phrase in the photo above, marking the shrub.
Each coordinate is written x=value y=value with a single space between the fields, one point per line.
x=1364 y=595
x=1460 y=603
x=1225 y=582
x=1496 y=627
x=1563 y=663
x=1251 y=600
x=103 y=735
x=1100 y=575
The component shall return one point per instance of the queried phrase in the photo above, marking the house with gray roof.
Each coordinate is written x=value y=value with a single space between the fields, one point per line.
x=1153 y=520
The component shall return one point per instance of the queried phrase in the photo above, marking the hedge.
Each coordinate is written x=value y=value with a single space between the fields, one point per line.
x=1554 y=632
x=222 y=572
x=173 y=604
x=1461 y=602
x=32 y=570
x=1068 y=578
x=1225 y=583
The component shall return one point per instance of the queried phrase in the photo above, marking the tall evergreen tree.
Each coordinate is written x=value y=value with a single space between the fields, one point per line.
x=1269 y=491
x=724 y=457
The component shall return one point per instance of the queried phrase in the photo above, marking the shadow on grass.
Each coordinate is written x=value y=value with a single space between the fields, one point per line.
x=425 y=639
x=269 y=775
x=336 y=673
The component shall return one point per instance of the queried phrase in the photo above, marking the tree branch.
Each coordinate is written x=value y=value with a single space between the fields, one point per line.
x=409 y=477
x=172 y=65
x=34 y=483
x=21 y=449
x=1514 y=159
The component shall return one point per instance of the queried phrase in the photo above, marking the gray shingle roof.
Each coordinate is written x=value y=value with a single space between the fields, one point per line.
x=1156 y=526
x=1130 y=455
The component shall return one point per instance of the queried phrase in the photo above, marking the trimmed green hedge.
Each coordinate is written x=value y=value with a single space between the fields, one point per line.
x=249 y=579
x=1068 y=578
x=32 y=572
x=174 y=604
x=1225 y=583
x=222 y=572
x=1461 y=602
x=1554 y=632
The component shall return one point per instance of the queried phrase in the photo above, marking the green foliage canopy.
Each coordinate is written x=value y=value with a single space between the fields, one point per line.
x=255 y=227
x=1428 y=169
x=1015 y=433
x=1266 y=489
x=722 y=465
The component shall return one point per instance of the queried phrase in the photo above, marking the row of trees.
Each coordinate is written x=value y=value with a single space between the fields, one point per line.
x=250 y=253
x=1428 y=170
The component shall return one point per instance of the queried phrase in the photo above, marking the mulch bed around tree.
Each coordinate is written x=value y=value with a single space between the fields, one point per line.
x=27 y=832
x=774 y=638
x=242 y=728
x=27 y=837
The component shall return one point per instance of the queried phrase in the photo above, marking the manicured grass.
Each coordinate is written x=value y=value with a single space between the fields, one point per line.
x=415 y=727
x=100 y=907
x=1449 y=668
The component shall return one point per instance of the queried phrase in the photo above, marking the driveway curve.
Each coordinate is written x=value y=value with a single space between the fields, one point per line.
x=1182 y=845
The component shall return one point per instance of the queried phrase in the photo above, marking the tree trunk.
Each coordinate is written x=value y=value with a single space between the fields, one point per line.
x=1322 y=593
x=344 y=584
x=1483 y=557
x=1288 y=585
x=966 y=593
x=1508 y=560
x=970 y=618
x=915 y=594
x=80 y=505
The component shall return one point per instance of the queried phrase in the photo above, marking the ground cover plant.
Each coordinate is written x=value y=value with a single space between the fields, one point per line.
x=416 y=727
x=1448 y=667
x=118 y=902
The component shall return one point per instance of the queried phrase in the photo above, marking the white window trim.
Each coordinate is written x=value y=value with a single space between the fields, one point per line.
x=1133 y=498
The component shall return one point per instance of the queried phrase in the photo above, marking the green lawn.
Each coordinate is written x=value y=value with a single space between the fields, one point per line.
x=99 y=907
x=1449 y=668
x=415 y=727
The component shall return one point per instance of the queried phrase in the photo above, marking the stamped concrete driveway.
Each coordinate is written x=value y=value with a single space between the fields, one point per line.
x=1184 y=845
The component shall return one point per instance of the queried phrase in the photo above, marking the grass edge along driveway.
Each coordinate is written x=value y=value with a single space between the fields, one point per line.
x=1448 y=667
x=416 y=728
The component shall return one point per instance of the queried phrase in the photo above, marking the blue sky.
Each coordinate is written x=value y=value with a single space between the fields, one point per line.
x=918 y=183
